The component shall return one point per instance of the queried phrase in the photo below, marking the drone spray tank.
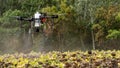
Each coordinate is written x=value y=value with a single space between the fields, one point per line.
x=37 y=19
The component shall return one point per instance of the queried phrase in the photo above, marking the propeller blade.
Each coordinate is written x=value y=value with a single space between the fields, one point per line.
x=23 y=18
x=17 y=17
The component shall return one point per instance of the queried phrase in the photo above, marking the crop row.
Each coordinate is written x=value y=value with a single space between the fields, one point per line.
x=76 y=59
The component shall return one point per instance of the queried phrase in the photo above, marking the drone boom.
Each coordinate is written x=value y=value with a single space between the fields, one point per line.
x=33 y=19
x=52 y=16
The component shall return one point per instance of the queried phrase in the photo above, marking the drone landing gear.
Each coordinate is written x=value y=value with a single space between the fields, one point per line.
x=37 y=30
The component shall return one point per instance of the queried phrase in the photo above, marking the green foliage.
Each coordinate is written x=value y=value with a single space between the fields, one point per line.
x=76 y=59
x=113 y=34
x=29 y=7
x=9 y=25
x=118 y=17
x=7 y=20
x=75 y=16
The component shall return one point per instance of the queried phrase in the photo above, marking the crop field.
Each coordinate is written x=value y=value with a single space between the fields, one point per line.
x=75 y=59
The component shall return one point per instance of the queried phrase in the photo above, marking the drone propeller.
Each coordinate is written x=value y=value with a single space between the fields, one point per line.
x=62 y=14
x=18 y=17
x=23 y=18
x=59 y=14
x=52 y=16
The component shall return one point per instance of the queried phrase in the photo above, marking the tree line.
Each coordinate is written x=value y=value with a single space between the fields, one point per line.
x=88 y=21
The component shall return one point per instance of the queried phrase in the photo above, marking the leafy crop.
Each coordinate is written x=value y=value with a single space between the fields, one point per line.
x=76 y=59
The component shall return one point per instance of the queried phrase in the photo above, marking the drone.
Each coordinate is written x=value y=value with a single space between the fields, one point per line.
x=37 y=20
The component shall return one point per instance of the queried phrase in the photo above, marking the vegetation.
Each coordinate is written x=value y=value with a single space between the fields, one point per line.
x=77 y=59
x=85 y=20
x=80 y=22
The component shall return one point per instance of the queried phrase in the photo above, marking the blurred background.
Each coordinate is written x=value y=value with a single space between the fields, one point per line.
x=82 y=25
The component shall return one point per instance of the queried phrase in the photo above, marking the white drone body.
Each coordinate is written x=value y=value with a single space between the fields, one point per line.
x=37 y=16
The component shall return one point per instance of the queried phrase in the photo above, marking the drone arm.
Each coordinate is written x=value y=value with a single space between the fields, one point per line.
x=28 y=19
x=52 y=16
